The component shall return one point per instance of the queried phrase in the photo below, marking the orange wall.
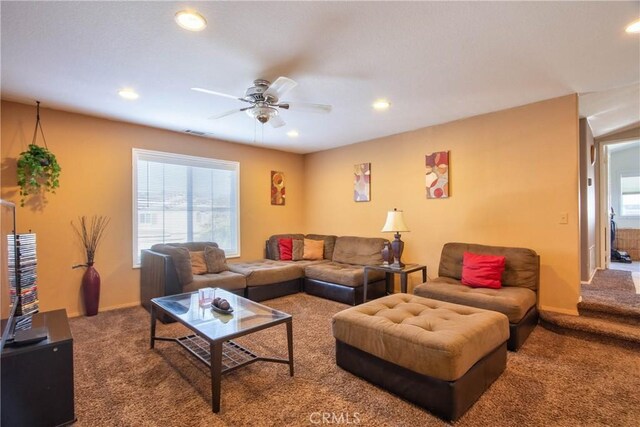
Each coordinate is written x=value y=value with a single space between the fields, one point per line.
x=512 y=174
x=95 y=156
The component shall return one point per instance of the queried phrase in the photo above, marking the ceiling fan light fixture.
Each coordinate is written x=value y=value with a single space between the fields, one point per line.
x=262 y=114
x=129 y=94
x=293 y=133
x=381 y=105
x=190 y=20
x=634 y=27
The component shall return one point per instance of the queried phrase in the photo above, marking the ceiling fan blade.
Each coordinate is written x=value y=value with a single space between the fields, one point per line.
x=276 y=121
x=212 y=92
x=281 y=86
x=306 y=106
x=228 y=113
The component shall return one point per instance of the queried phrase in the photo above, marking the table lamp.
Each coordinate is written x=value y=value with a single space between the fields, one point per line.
x=395 y=224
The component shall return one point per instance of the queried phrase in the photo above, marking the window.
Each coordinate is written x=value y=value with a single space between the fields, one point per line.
x=630 y=195
x=179 y=198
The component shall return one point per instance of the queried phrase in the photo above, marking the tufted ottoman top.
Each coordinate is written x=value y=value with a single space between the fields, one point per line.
x=266 y=271
x=431 y=337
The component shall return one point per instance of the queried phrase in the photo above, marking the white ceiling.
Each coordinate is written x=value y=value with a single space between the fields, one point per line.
x=435 y=61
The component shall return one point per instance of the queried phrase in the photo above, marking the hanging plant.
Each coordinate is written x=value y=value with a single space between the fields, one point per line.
x=38 y=168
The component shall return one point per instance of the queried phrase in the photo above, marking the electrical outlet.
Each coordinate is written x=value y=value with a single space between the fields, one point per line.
x=564 y=218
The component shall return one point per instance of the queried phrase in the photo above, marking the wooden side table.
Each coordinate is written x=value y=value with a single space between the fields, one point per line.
x=389 y=272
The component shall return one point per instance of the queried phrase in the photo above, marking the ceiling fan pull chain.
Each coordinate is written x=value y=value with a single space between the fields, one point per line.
x=38 y=126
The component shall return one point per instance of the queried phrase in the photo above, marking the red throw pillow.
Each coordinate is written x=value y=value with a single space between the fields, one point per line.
x=482 y=271
x=286 y=249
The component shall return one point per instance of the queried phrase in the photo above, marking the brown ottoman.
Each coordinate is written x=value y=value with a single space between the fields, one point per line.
x=438 y=355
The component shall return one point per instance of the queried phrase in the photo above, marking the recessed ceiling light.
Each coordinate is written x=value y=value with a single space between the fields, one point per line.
x=293 y=134
x=191 y=20
x=128 y=94
x=381 y=105
x=634 y=27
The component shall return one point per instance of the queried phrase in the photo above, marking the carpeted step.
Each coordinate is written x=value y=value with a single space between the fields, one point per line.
x=591 y=326
x=614 y=312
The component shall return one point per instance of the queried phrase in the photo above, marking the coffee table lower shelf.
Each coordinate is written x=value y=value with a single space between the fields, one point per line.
x=234 y=356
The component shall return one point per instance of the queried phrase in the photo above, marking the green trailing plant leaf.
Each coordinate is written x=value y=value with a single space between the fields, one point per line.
x=38 y=170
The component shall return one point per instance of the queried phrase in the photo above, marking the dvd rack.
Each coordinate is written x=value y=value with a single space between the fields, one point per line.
x=23 y=273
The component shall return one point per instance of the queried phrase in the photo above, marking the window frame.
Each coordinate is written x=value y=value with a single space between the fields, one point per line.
x=177 y=159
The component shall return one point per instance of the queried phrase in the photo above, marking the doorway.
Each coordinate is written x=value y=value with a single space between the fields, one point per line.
x=619 y=221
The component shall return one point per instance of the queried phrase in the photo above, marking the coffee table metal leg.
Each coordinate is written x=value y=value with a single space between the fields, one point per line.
x=153 y=326
x=216 y=374
x=290 y=345
x=403 y=283
x=424 y=275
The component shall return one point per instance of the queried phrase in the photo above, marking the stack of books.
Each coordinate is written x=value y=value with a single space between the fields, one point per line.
x=23 y=273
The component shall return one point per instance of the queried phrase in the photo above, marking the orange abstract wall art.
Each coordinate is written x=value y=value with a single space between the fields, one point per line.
x=277 y=188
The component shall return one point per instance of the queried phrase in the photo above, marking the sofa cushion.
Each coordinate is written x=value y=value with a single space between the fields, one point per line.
x=215 y=259
x=521 y=265
x=313 y=249
x=298 y=250
x=482 y=271
x=273 y=250
x=285 y=245
x=514 y=302
x=426 y=336
x=343 y=274
x=227 y=280
x=266 y=271
x=192 y=246
x=181 y=261
x=358 y=250
x=329 y=243
x=198 y=264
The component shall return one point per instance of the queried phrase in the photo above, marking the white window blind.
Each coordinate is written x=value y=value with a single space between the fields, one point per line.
x=630 y=195
x=178 y=198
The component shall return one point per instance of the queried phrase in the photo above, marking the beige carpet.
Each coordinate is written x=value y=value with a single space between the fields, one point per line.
x=613 y=289
x=553 y=380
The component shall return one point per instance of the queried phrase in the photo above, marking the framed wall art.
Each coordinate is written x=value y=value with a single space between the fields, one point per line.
x=277 y=188
x=362 y=182
x=437 y=177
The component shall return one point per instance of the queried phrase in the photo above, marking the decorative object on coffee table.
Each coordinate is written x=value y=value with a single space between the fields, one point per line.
x=362 y=182
x=437 y=177
x=37 y=168
x=277 y=188
x=90 y=233
x=395 y=224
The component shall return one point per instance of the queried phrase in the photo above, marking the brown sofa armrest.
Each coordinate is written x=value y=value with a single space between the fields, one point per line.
x=158 y=277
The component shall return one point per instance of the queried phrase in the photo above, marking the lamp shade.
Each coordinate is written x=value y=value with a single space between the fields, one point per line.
x=395 y=222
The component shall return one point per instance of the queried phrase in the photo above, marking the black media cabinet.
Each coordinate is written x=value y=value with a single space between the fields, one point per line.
x=37 y=379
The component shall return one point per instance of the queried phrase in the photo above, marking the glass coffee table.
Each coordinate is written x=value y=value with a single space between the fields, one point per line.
x=211 y=341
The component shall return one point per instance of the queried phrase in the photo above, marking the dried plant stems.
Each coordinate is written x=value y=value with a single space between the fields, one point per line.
x=90 y=233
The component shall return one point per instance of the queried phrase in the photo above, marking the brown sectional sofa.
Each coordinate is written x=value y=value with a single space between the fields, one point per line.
x=516 y=298
x=339 y=276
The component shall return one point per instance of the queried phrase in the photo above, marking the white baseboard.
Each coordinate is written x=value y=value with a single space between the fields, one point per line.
x=593 y=273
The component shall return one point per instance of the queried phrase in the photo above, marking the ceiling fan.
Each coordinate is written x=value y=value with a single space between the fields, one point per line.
x=264 y=101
